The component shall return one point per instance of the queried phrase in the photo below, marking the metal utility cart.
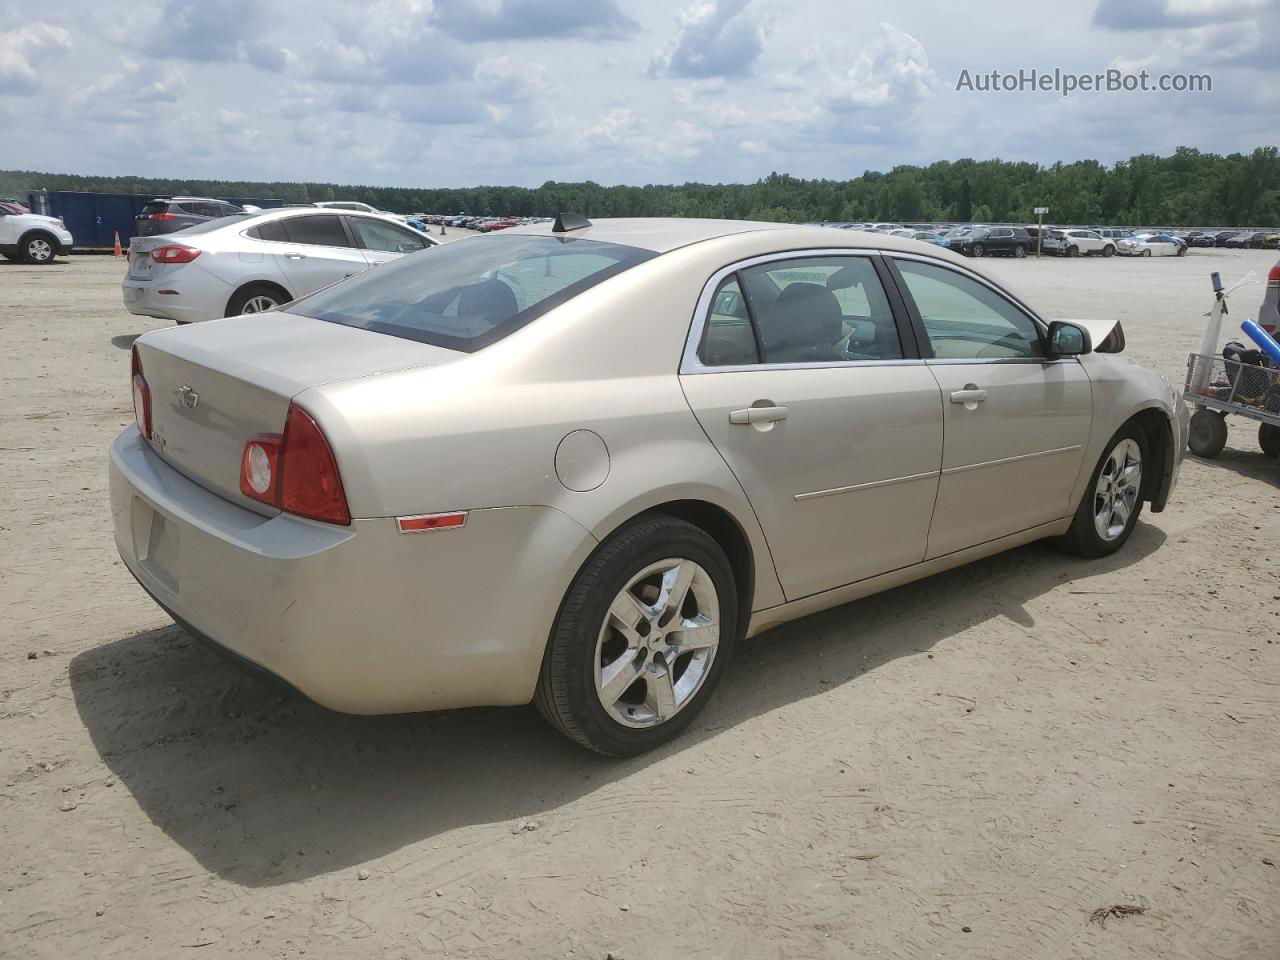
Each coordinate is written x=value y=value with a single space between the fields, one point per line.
x=1217 y=386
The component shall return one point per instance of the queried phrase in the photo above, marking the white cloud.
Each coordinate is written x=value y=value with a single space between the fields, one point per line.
x=38 y=42
x=891 y=71
x=130 y=95
x=714 y=38
x=503 y=79
x=437 y=92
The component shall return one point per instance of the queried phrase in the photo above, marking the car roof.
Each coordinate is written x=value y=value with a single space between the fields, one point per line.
x=665 y=234
x=274 y=213
x=658 y=234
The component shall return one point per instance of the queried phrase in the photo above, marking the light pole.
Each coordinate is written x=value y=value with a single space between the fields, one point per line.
x=1040 y=212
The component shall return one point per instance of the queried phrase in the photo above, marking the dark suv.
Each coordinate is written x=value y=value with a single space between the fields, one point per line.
x=175 y=213
x=1011 y=241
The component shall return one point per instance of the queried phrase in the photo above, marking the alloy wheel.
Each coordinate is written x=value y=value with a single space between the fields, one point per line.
x=258 y=304
x=1116 y=493
x=40 y=250
x=657 y=644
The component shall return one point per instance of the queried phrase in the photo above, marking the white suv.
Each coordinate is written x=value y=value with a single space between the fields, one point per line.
x=1072 y=243
x=30 y=237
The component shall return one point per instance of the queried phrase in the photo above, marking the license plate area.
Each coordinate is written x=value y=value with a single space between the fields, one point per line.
x=155 y=544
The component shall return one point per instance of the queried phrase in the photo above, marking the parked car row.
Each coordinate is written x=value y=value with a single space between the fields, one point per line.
x=976 y=239
x=482 y=224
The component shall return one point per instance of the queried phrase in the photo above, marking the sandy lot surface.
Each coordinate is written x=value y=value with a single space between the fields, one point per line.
x=964 y=767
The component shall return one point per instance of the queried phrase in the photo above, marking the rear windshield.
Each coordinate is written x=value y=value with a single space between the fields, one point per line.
x=156 y=206
x=470 y=293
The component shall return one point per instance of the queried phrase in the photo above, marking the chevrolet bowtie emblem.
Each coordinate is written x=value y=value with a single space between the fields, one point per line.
x=188 y=397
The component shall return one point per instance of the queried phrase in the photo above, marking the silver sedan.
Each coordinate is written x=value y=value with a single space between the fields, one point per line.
x=248 y=263
x=578 y=463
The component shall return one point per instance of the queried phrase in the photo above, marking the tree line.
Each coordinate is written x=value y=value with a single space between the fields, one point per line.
x=1189 y=188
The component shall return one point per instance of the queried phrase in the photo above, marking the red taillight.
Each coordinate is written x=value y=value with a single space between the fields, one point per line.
x=174 y=253
x=295 y=471
x=141 y=395
x=164 y=216
x=1274 y=275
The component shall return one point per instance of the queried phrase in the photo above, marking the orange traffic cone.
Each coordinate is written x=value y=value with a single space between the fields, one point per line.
x=117 y=252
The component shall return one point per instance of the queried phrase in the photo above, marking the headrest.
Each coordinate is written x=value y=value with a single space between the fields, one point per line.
x=804 y=315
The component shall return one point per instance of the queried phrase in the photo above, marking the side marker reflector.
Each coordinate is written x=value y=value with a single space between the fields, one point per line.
x=432 y=521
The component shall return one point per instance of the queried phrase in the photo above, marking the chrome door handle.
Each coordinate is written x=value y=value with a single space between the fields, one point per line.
x=758 y=415
x=968 y=395
x=296 y=256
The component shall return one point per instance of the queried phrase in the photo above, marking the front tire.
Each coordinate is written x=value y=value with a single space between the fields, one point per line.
x=1073 y=251
x=1019 y=252
x=38 y=249
x=1108 y=251
x=1208 y=433
x=1112 y=502
x=642 y=637
x=1146 y=253
x=979 y=249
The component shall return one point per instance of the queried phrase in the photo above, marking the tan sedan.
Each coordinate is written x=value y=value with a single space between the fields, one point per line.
x=576 y=463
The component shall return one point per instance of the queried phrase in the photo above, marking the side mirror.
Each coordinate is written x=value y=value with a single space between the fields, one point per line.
x=1068 y=340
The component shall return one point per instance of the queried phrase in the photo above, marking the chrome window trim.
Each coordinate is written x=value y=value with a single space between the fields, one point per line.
x=691 y=363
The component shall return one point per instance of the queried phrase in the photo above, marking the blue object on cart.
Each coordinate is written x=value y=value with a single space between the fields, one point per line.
x=1264 y=340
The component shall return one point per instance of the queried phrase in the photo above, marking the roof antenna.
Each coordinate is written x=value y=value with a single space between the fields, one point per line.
x=569 y=221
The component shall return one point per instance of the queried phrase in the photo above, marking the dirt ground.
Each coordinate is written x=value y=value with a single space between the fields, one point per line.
x=966 y=767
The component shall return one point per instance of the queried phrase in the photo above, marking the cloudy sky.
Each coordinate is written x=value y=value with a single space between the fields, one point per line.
x=463 y=92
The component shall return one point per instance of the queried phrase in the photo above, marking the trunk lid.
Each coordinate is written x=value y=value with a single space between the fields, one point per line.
x=214 y=385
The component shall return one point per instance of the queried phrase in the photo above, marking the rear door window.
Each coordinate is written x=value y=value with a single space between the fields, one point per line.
x=807 y=310
x=323 y=231
x=728 y=339
x=271 y=230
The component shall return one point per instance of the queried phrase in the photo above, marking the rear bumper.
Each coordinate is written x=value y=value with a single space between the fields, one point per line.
x=188 y=305
x=361 y=619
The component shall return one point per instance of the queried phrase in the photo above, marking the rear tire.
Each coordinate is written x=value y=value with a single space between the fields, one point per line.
x=38 y=249
x=592 y=649
x=1146 y=253
x=1269 y=440
x=255 y=298
x=1108 y=250
x=979 y=249
x=1073 y=251
x=1208 y=433
x=1019 y=251
x=1112 y=501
